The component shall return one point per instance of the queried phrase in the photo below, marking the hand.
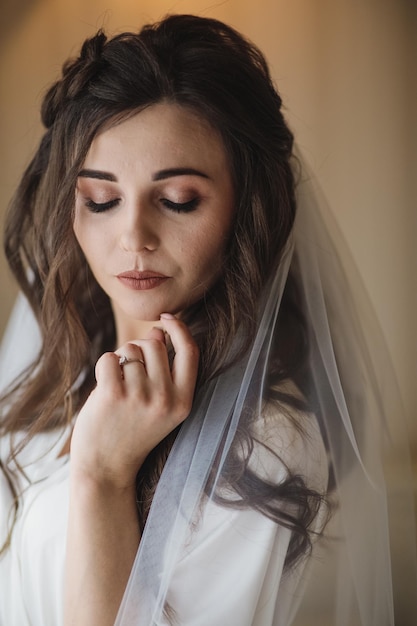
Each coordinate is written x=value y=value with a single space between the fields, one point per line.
x=135 y=406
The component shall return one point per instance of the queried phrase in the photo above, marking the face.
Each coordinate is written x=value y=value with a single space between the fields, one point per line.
x=154 y=209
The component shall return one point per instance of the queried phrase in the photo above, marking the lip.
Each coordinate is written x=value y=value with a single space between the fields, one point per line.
x=141 y=281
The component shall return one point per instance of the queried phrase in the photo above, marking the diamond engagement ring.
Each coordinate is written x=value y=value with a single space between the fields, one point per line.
x=123 y=360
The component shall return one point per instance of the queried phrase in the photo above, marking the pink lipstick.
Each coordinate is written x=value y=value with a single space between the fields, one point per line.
x=141 y=281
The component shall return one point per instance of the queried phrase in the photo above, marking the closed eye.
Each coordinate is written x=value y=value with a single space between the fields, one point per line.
x=181 y=207
x=100 y=207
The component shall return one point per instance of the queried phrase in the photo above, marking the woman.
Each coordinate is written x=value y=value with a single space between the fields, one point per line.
x=180 y=364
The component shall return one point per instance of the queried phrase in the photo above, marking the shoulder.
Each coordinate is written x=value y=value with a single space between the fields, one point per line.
x=289 y=442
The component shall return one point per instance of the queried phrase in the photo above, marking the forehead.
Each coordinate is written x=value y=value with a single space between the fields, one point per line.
x=162 y=132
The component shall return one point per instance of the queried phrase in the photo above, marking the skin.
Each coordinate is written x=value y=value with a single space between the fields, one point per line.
x=142 y=228
x=127 y=415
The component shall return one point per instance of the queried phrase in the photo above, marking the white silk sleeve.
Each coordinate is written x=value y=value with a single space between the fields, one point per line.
x=231 y=572
x=20 y=343
x=232 y=569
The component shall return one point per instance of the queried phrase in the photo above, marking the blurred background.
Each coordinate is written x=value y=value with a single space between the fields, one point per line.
x=347 y=72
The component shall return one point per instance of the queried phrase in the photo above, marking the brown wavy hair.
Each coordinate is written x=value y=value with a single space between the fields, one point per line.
x=206 y=66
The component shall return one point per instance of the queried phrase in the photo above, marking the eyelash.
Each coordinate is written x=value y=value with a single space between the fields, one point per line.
x=177 y=207
x=181 y=207
x=100 y=207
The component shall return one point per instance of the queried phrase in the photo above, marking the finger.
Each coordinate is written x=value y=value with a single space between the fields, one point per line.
x=107 y=370
x=154 y=356
x=156 y=333
x=131 y=361
x=185 y=363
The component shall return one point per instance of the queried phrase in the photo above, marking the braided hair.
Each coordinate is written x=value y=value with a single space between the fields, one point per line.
x=207 y=67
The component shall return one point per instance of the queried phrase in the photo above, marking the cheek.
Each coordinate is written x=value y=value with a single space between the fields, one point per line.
x=92 y=244
x=79 y=231
x=81 y=239
x=207 y=253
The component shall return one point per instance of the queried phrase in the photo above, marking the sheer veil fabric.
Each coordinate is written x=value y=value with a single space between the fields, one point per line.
x=356 y=404
x=364 y=426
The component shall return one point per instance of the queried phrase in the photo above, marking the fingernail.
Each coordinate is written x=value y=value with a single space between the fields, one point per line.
x=167 y=316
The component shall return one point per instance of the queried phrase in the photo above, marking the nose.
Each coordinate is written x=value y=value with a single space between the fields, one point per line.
x=138 y=229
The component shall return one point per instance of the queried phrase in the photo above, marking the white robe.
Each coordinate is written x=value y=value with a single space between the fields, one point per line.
x=231 y=571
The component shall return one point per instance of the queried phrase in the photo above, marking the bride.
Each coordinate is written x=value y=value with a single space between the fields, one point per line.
x=199 y=401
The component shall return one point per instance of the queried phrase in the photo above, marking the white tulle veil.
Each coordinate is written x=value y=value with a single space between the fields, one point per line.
x=358 y=404
x=353 y=580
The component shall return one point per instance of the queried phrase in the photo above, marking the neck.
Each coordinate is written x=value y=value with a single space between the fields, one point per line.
x=139 y=329
x=128 y=329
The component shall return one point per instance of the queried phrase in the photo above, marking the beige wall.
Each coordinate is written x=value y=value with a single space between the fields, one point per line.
x=345 y=70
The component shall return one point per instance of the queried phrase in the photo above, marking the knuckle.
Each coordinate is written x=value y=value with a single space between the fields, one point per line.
x=192 y=350
x=183 y=409
x=156 y=344
x=131 y=350
x=162 y=402
x=164 y=399
x=107 y=357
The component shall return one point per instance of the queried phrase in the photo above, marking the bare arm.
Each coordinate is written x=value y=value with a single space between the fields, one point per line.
x=103 y=538
x=121 y=422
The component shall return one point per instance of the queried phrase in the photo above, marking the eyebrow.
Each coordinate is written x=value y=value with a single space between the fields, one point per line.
x=97 y=174
x=161 y=175
x=178 y=171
